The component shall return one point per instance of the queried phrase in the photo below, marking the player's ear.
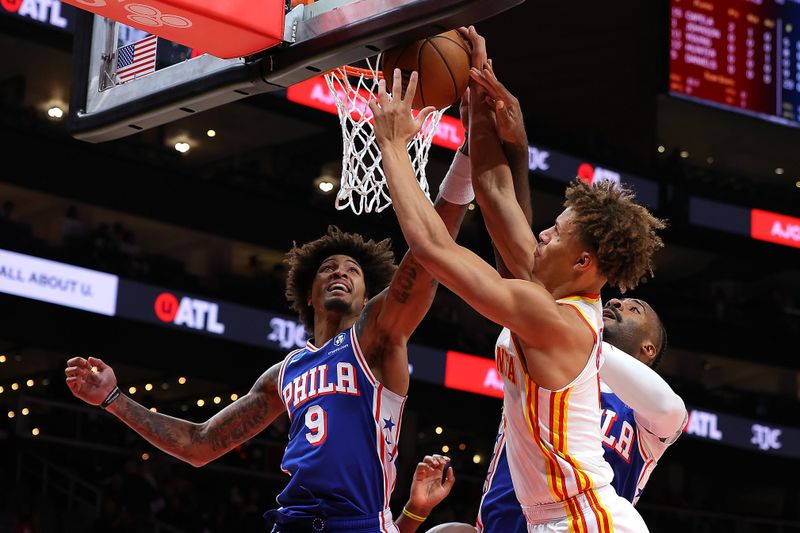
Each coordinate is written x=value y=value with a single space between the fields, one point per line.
x=647 y=352
x=584 y=261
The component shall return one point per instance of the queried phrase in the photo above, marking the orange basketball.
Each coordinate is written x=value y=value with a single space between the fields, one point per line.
x=442 y=62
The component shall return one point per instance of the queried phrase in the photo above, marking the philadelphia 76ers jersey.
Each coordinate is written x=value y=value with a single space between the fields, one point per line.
x=632 y=459
x=343 y=435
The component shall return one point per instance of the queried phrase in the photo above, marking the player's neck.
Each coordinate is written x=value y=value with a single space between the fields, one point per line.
x=579 y=288
x=329 y=324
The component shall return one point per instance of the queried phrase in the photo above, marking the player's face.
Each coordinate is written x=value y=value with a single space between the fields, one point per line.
x=626 y=323
x=558 y=251
x=339 y=285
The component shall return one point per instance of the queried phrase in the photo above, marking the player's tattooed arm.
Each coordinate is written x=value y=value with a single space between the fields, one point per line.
x=199 y=444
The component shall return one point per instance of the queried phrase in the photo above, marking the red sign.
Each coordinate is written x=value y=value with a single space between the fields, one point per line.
x=471 y=373
x=234 y=28
x=772 y=227
x=315 y=93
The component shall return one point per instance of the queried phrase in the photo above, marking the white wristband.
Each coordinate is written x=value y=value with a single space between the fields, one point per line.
x=456 y=186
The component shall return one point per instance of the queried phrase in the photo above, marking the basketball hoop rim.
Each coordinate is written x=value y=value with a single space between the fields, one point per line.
x=356 y=72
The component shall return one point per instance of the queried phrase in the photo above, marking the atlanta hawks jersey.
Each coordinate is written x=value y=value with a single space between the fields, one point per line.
x=553 y=438
x=343 y=435
x=629 y=456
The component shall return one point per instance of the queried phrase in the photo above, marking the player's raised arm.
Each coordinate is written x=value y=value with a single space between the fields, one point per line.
x=500 y=174
x=395 y=313
x=658 y=409
x=526 y=308
x=196 y=444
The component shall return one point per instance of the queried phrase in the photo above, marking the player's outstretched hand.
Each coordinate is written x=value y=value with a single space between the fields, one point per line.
x=433 y=480
x=91 y=379
x=394 y=120
x=478 y=54
x=508 y=114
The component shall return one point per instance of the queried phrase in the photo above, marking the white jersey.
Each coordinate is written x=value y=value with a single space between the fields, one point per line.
x=553 y=438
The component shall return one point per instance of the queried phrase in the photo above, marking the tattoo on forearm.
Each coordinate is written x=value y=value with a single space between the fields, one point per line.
x=406 y=278
x=162 y=431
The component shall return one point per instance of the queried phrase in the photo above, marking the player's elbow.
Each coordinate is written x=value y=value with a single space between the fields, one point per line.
x=671 y=415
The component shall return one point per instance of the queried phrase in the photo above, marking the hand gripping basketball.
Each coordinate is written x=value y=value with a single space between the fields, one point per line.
x=90 y=380
x=394 y=120
x=508 y=114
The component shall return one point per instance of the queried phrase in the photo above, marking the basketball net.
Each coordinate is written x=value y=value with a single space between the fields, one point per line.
x=363 y=183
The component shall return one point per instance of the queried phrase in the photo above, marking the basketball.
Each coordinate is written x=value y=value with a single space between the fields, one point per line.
x=443 y=63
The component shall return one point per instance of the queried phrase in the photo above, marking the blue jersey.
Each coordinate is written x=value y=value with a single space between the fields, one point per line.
x=630 y=459
x=343 y=436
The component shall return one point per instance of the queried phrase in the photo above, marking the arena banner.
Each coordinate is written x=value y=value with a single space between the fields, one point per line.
x=218 y=318
x=743 y=433
x=58 y=283
x=754 y=223
x=51 y=13
x=565 y=168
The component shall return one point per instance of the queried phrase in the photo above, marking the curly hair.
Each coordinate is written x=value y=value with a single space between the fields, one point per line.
x=376 y=260
x=622 y=234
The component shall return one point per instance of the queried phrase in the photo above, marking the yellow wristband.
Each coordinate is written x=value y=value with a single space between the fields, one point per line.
x=413 y=516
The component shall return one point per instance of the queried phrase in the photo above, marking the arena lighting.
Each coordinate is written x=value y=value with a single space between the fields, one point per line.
x=11 y=414
x=684 y=154
x=217 y=400
x=25 y=411
x=797 y=184
x=94 y=369
x=182 y=380
x=325 y=183
x=132 y=390
x=779 y=171
x=29 y=383
x=201 y=402
x=145 y=456
x=2 y=390
x=211 y=133
x=2 y=358
x=55 y=112
x=462 y=446
x=471 y=207
x=439 y=430
x=14 y=386
x=153 y=410
x=182 y=147
x=234 y=397
x=661 y=149
x=148 y=387
x=445 y=448
x=477 y=459
x=35 y=432
x=710 y=160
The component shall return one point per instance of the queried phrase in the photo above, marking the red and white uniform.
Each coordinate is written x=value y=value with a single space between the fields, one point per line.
x=554 y=442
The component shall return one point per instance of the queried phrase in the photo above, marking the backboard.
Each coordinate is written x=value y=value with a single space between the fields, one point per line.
x=179 y=81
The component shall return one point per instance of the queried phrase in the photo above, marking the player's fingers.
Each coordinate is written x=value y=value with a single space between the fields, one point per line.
x=383 y=97
x=479 y=78
x=77 y=361
x=373 y=106
x=450 y=479
x=94 y=361
x=411 y=89
x=73 y=383
x=423 y=115
x=478 y=45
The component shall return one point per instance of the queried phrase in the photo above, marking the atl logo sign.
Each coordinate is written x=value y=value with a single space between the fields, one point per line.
x=189 y=312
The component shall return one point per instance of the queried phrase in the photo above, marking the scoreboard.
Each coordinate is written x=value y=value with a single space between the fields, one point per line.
x=739 y=54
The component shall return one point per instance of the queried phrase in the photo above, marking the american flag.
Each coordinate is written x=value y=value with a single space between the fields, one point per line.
x=136 y=59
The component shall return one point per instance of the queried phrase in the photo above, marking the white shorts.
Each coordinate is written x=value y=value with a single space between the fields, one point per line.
x=597 y=511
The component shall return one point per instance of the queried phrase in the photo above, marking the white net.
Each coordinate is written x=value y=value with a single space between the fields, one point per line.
x=363 y=184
